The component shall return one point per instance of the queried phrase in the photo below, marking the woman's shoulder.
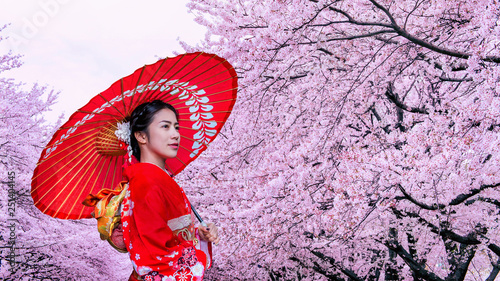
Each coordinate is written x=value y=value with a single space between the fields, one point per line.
x=142 y=170
x=147 y=173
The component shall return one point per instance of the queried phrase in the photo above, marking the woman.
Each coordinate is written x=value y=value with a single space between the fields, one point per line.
x=158 y=226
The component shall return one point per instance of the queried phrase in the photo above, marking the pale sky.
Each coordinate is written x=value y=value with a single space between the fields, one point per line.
x=80 y=48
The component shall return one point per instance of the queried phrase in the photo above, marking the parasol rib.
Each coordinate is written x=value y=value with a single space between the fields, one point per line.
x=76 y=184
x=65 y=186
x=85 y=186
x=54 y=172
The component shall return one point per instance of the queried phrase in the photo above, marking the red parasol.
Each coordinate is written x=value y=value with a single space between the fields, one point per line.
x=85 y=155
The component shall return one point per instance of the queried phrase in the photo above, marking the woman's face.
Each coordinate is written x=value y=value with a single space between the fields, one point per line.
x=163 y=135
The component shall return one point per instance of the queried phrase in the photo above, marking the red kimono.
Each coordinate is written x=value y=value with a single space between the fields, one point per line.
x=158 y=228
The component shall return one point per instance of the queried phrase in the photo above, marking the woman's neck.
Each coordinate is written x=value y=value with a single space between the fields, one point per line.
x=160 y=163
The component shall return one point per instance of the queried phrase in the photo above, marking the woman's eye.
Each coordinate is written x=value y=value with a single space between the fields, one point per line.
x=177 y=128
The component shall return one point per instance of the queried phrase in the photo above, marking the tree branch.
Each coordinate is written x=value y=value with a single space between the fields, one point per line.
x=332 y=261
x=495 y=271
x=353 y=21
x=484 y=199
x=458 y=200
x=445 y=79
x=312 y=18
x=251 y=27
x=371 y=34
x=318 y=269
x=494 y=248
x=442 y=231
x=421 y=205
x=402 y=32
x=462 y=260
x=395 y=99
x=462 y=197
x=415 y=266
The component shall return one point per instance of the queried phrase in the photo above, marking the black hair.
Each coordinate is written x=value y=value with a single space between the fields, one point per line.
x=141 y=118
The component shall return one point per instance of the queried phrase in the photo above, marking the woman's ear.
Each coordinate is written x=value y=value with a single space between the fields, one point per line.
x=141 y=137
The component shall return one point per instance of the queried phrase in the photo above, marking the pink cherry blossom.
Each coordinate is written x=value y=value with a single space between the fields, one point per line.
x=364 y=143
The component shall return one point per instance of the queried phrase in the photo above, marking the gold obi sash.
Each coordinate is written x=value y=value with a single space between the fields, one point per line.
x=107 y=209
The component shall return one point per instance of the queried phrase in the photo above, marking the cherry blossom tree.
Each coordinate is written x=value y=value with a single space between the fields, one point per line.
x=34 y=246
x=364 y=144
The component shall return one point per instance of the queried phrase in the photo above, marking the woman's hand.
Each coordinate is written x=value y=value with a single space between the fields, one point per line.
x=209 y=233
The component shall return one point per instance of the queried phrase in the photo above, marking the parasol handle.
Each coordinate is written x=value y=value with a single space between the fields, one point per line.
x=198 y=216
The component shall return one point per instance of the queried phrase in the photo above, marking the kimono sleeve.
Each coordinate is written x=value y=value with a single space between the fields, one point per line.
x=151 y=215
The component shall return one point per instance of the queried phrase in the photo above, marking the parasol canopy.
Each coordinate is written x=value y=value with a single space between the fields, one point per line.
x=85 y=155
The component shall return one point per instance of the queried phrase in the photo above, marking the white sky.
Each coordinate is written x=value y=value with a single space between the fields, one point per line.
x=80 y=48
